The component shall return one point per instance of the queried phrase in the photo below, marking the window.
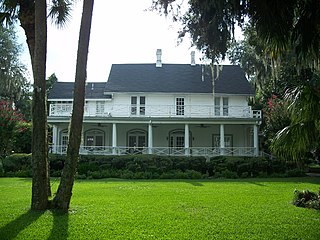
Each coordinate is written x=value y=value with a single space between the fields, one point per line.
x=64 y=141
x=227 y=141
x=142 y=105
x=133 y=105
x=217 y=106
x=138 y=105
x=225 y=101
x=180 y=106
x=64 y=138
x=100 y=107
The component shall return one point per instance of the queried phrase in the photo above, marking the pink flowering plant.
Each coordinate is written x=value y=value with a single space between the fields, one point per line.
x=9 y=118
x=276 y=117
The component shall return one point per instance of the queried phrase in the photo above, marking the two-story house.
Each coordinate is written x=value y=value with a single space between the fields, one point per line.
x=165 y=109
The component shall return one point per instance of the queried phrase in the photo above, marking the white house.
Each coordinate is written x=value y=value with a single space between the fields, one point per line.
x=164 y=109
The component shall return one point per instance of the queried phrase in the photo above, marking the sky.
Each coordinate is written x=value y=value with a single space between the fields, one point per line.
x=122 y=31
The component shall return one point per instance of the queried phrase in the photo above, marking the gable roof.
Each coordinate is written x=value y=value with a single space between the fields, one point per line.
x=177 y=78
x=170 y=78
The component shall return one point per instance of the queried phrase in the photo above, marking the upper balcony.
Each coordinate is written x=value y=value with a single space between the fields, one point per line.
x=158 y=111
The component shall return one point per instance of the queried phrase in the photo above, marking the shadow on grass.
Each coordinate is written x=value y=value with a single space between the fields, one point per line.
x=60 y=225
x=12 y=229
x=195 y=183
x=257 y=184
x=59 y=228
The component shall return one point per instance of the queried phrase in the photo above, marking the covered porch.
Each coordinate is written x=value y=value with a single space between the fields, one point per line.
x=162 y=137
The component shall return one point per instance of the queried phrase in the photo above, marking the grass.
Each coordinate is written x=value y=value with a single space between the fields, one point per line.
x=175 y=209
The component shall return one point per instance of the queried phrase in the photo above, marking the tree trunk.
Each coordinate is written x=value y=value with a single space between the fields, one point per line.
x=39 y=116
x=27 y=21
x=64 y=193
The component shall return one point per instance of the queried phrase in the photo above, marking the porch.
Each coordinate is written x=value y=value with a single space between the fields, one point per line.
x=158 y=111
x=162 y=138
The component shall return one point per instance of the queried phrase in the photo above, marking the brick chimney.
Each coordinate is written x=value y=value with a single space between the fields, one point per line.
x=159 y=53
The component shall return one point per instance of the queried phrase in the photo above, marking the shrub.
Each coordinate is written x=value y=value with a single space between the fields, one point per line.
x=23 y=173
x=296 y=172
x=307 y=199
x=154 y=166
x=22 y=138
x=1 y=169
x=192 y=174
x=230 y=174
x=233 y=167
x=15 y=162
x=55 y=173
x=126 y=174
x=81 y=176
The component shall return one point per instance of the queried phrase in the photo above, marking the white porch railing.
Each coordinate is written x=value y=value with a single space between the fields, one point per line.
x=167 y=151
x=187 y=111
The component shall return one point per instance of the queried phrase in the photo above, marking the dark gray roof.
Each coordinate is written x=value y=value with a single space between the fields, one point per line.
x=170 y=78
x=177 y=78
x=64 y=90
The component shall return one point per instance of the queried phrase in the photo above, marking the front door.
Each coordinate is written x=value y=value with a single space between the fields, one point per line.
x=176 y=143
x=94 y=140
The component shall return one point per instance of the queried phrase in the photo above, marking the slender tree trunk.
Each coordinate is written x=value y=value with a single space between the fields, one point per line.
x=39 y=116
x=27 y=21
x=64 y=193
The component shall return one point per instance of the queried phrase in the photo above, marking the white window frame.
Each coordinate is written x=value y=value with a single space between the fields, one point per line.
x=221 y=106
x=138 y=106
x=180 y=106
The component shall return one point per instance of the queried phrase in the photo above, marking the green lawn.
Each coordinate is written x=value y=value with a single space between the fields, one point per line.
x=172 y=209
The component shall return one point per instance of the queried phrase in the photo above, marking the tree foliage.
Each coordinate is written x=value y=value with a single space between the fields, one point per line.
x=303 y=133
x=9 y=118
x=289 y=96
x=250 y=53
x=13 y=80
x=22 y=137
x=293 y=24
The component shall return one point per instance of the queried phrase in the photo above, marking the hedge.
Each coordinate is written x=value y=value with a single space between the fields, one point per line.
x=155 y=167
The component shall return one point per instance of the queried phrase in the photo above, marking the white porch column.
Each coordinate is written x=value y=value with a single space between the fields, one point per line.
x=255 y=140
x=150 y=138
x=222 y=139
x=186 y=140
x=55 y=139
x=114 y=138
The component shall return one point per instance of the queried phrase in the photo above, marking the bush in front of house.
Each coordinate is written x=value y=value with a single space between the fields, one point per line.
x=243 y=167
x=142 y=167
x=155 y=167
x=1 y=168
x=18 y=165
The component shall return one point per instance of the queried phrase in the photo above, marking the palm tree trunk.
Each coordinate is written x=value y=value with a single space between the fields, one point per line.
x=39 y=116
x=64 y=193
x=27 y=21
